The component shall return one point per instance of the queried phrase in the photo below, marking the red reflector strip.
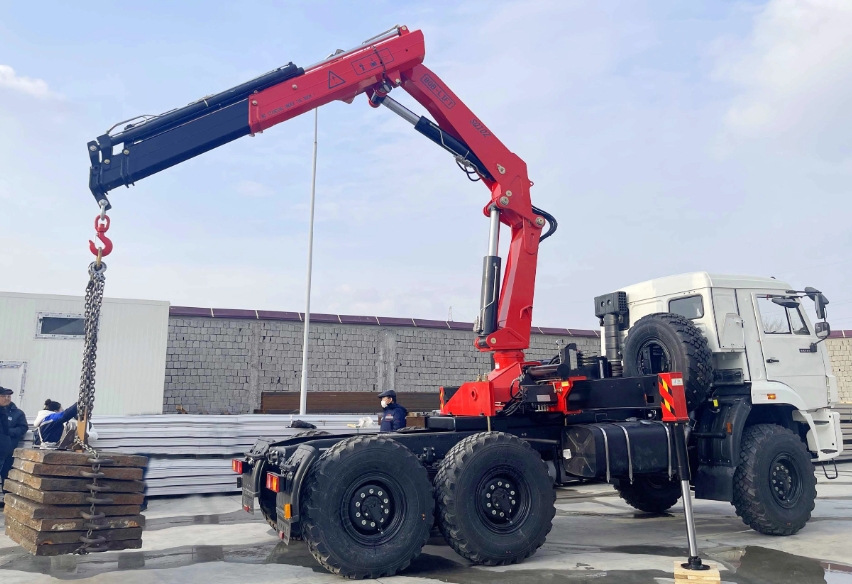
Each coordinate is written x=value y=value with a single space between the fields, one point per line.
x=273 y=482
x=237 y=466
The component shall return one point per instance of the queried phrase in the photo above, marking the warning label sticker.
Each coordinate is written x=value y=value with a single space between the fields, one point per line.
x=334 y=80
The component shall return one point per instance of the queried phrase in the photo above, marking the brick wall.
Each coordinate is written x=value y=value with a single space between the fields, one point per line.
x=840 y=351
x=217 y=365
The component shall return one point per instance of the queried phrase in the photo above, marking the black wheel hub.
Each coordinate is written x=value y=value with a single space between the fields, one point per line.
x=784 y=481
x=500 y=500
x=653 y=358
x=371 y=508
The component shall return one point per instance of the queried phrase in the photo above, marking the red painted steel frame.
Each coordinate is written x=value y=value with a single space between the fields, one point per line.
x=398 y=62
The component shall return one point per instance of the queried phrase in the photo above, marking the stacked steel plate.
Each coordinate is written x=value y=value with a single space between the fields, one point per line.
x=60 y=502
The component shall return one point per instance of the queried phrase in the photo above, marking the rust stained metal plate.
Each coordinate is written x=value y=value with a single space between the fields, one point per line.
x=74 y=485
x=77 y=458
x=72 y=523
x=66 y=498
x=34 y=510
x=59 y=470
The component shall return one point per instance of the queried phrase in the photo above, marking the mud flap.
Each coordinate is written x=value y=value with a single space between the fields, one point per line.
x=715 y=483
x=293 y=473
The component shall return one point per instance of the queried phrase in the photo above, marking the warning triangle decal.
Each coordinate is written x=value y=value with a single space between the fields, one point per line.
x=334 y=80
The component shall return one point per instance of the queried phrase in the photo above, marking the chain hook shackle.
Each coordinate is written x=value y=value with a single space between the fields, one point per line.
x=101 y=226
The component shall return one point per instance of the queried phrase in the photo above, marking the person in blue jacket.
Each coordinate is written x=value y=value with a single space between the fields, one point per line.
x=50 y=430
x=393 y=415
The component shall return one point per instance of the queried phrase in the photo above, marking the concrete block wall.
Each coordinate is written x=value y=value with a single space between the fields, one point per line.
x=217 y=365
x=222 y=360
x=840 y=351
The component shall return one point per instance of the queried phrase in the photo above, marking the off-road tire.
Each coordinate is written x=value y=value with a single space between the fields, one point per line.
x=310 y=433
x=267 y=509
x=649 y=494
x=687 y=349
x=410 y=429
x=764 y=447
x=327 y=495
x=462 y=476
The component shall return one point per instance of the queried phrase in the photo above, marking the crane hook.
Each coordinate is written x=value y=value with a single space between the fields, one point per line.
x=101 y=228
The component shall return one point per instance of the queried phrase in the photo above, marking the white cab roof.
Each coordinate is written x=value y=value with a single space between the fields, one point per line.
x=695 y=280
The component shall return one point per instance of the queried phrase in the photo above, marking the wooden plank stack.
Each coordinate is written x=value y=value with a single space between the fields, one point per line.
x=47 y=494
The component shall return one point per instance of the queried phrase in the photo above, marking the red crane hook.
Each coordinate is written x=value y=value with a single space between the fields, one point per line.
x=101 y=228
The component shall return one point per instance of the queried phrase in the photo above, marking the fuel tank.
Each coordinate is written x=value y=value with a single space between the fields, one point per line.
x=609 y=450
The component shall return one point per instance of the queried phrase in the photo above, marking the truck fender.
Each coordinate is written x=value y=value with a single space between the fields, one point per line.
x=293 y=474
x=718 y=439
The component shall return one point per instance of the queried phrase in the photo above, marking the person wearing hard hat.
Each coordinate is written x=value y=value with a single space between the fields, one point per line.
x=393 y=414
x=13 y=426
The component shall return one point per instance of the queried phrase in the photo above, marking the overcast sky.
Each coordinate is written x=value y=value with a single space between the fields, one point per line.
x=665 y=136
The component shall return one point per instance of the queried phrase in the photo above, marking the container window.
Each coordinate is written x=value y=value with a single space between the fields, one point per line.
x=691 y=307
x=64 y=326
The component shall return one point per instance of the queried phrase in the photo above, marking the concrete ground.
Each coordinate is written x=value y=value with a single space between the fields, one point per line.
x=595 y=537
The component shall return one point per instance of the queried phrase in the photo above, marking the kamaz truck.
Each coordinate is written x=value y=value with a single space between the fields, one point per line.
x=736 y=358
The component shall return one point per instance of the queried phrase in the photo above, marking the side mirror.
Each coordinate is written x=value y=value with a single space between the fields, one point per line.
x=822 y=330
x=820 y=302
x=785 y=302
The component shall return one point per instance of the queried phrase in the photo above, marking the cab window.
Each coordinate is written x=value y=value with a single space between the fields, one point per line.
x=691 y=307
x=797 y=321
x=773 y=317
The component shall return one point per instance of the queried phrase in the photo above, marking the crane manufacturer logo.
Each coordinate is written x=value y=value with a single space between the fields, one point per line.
x=447 y=101
x=480 y=127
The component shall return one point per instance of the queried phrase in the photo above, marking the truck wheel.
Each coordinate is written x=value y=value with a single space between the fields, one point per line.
x=664 y=342
x=267 y=509
x=774 y=485
x=367 y=508
x=495 y=499
x=651 y=494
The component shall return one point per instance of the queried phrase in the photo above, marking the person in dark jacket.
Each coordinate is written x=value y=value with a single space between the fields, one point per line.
x=393 y=415
x=13 y=426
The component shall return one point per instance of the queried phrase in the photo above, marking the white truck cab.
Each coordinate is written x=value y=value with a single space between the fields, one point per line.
x=769 y=348
x=758 y=385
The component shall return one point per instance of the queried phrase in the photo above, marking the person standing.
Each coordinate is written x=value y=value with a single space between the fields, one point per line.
x=13 y=426
x=393 y=414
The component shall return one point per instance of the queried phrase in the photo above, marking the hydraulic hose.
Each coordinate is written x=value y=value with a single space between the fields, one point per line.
x=551 y=223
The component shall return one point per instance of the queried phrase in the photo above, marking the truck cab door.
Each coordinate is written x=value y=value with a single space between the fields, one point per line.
x=785 y=338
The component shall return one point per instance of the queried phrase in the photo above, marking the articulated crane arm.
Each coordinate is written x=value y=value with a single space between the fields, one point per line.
x=388 y=61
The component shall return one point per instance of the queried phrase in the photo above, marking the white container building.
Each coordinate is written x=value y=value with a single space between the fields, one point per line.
x=41 y=351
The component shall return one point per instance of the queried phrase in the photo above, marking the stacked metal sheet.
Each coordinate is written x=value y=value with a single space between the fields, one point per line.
x=191 y=454
x=846 y=426
x=60 y=502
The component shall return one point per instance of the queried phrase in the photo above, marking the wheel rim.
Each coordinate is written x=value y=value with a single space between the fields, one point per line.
x=503 y=500
x=653 y=357
x=373 y=509
x=784 y=481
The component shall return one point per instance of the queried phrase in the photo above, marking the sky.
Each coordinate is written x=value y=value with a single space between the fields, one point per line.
x=665 y=136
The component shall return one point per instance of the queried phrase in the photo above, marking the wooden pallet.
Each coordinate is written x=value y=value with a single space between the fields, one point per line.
x=48 y=492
